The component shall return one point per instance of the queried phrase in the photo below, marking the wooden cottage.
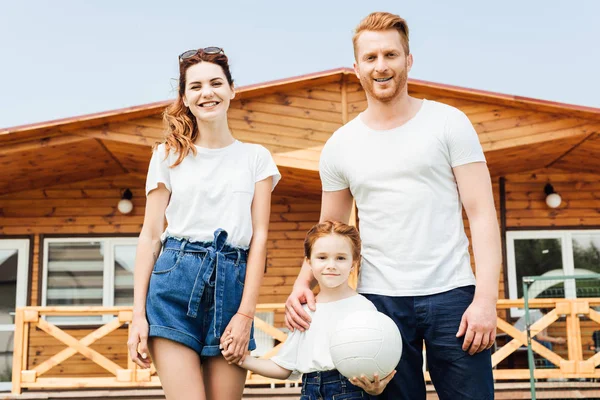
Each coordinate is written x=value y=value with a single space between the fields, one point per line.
x=67 y=252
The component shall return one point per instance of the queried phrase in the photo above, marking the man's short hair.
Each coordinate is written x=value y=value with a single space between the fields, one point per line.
x=382 y=21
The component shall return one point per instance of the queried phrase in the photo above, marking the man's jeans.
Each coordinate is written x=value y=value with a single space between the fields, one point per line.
x=435 y=318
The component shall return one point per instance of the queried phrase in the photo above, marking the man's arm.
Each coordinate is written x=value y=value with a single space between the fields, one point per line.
x=478 y=324
x=335 y=206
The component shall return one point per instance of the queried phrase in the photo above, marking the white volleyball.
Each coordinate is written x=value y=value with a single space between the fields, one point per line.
x=365 y=343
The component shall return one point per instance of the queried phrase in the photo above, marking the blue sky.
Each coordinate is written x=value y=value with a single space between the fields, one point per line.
x=65 y=58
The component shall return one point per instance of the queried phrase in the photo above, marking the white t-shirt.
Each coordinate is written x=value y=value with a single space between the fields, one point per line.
x=212 y=190
x=409 y=209
x=308 y=351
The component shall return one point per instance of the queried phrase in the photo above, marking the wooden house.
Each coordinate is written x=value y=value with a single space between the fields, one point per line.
x=63 y=241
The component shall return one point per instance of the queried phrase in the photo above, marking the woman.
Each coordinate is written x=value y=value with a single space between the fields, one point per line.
x=215 y=193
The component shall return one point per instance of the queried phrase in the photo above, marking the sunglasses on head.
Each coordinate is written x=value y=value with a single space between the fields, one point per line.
x=207 y=50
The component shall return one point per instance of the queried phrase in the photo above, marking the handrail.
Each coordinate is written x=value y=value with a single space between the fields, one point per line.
x=36 y=377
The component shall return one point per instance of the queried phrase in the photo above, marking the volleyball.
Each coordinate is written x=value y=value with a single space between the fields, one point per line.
x=365 y=343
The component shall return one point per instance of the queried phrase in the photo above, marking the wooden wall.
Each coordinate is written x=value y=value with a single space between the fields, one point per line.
x=526 y=209
x=525 y=199
x=75 y=209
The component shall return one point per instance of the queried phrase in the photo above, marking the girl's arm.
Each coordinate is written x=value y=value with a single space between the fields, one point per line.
x=241 y=323
x=259 y=366
x=265 y=368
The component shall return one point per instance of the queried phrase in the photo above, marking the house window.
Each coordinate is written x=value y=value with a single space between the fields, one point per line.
x=88 y=272
x=553 y=253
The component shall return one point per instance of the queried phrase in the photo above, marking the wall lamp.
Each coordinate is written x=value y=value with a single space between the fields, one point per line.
x=553 y=199
x=125 y=205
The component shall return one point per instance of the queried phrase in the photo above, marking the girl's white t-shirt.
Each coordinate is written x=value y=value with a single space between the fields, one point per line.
x=308 y=351
x=213 y=189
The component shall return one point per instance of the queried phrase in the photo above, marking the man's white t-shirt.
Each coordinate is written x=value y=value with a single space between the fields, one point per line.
x=308 y=351
x=409 y=209
x=213 y=189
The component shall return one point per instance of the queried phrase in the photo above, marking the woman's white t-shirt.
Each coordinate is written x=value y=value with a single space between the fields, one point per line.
x=308 y=351
x=213 y=189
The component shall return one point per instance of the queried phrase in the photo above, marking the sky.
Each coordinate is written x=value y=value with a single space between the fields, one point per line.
x=64 y=58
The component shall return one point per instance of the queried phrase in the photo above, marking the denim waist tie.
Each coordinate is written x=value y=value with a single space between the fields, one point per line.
x=213 y=262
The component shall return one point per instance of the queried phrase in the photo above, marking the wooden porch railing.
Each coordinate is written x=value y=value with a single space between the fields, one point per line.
x=129 y=375
x=574 y=366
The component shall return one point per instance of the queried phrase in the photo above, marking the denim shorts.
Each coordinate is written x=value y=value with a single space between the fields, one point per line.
x=329 y=385
x=435 y=319
x=194 y=291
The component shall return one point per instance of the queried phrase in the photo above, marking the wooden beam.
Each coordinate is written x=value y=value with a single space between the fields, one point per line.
x=521 y=339
x=40 y=143
x=269 y=329
x=575 y=132
x=70 y=351
x=563 y=155
x=344 y=100
x=18 y=351
x=283 y=160
x=70 y=341
x=103 y=133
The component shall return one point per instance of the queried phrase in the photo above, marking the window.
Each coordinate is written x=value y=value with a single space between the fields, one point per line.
x=550 y=253
x=88 y=272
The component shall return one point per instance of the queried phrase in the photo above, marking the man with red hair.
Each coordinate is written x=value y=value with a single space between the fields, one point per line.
x=411 y=165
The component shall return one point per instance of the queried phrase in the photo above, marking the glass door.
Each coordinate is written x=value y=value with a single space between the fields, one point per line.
x=14 y=263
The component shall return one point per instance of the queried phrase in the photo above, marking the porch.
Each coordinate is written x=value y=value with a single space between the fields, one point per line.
x=50 y=358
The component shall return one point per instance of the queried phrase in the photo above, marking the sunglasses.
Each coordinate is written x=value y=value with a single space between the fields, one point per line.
x=207 y=50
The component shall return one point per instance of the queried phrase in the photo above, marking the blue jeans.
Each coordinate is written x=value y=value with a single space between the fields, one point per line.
x=545 y=363
x=435 y=318
x=195 y=289
x=329 y=385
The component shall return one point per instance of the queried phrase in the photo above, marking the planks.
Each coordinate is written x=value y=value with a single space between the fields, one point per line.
x=526 y=207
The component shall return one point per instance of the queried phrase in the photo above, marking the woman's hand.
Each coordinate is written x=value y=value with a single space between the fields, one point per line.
x=138 y=342
x=235 y=339
x=374 y=388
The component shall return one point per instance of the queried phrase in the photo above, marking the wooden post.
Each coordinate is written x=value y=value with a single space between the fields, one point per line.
x=344 y=100
x=353 y=278
x=18 y=352
x=574 y=336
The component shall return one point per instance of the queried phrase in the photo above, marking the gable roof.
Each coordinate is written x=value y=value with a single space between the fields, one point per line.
x=293 y=118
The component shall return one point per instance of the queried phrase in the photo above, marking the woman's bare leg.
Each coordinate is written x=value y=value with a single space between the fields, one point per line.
x=223 y=381
x=179 y=369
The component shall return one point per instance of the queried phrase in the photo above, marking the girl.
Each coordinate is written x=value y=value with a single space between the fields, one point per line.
x=215 y=194
x=332 y=250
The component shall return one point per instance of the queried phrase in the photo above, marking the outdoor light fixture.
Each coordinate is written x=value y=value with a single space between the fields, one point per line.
x=553 y=199
x=125 y=205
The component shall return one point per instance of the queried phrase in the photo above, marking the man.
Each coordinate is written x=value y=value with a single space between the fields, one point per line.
x=408 y=163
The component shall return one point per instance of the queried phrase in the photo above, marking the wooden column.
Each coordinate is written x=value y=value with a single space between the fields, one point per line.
x=18 y=352
x=353 y=279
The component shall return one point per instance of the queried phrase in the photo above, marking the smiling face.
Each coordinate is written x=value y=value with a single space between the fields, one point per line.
x=382 y=64
x=331 y=260
x=207 y=92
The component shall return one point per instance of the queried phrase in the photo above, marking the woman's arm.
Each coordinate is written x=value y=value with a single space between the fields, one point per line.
x=241 y=323
x=147 y=252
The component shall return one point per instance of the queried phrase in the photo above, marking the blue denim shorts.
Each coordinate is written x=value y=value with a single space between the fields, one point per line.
x=194 y=291
x=330 y=385
x=435 y=319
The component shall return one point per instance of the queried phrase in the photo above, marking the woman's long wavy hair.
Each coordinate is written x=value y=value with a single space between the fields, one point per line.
x=182 y=129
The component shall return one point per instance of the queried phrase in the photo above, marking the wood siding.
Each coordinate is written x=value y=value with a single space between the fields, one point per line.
x=526 y=209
